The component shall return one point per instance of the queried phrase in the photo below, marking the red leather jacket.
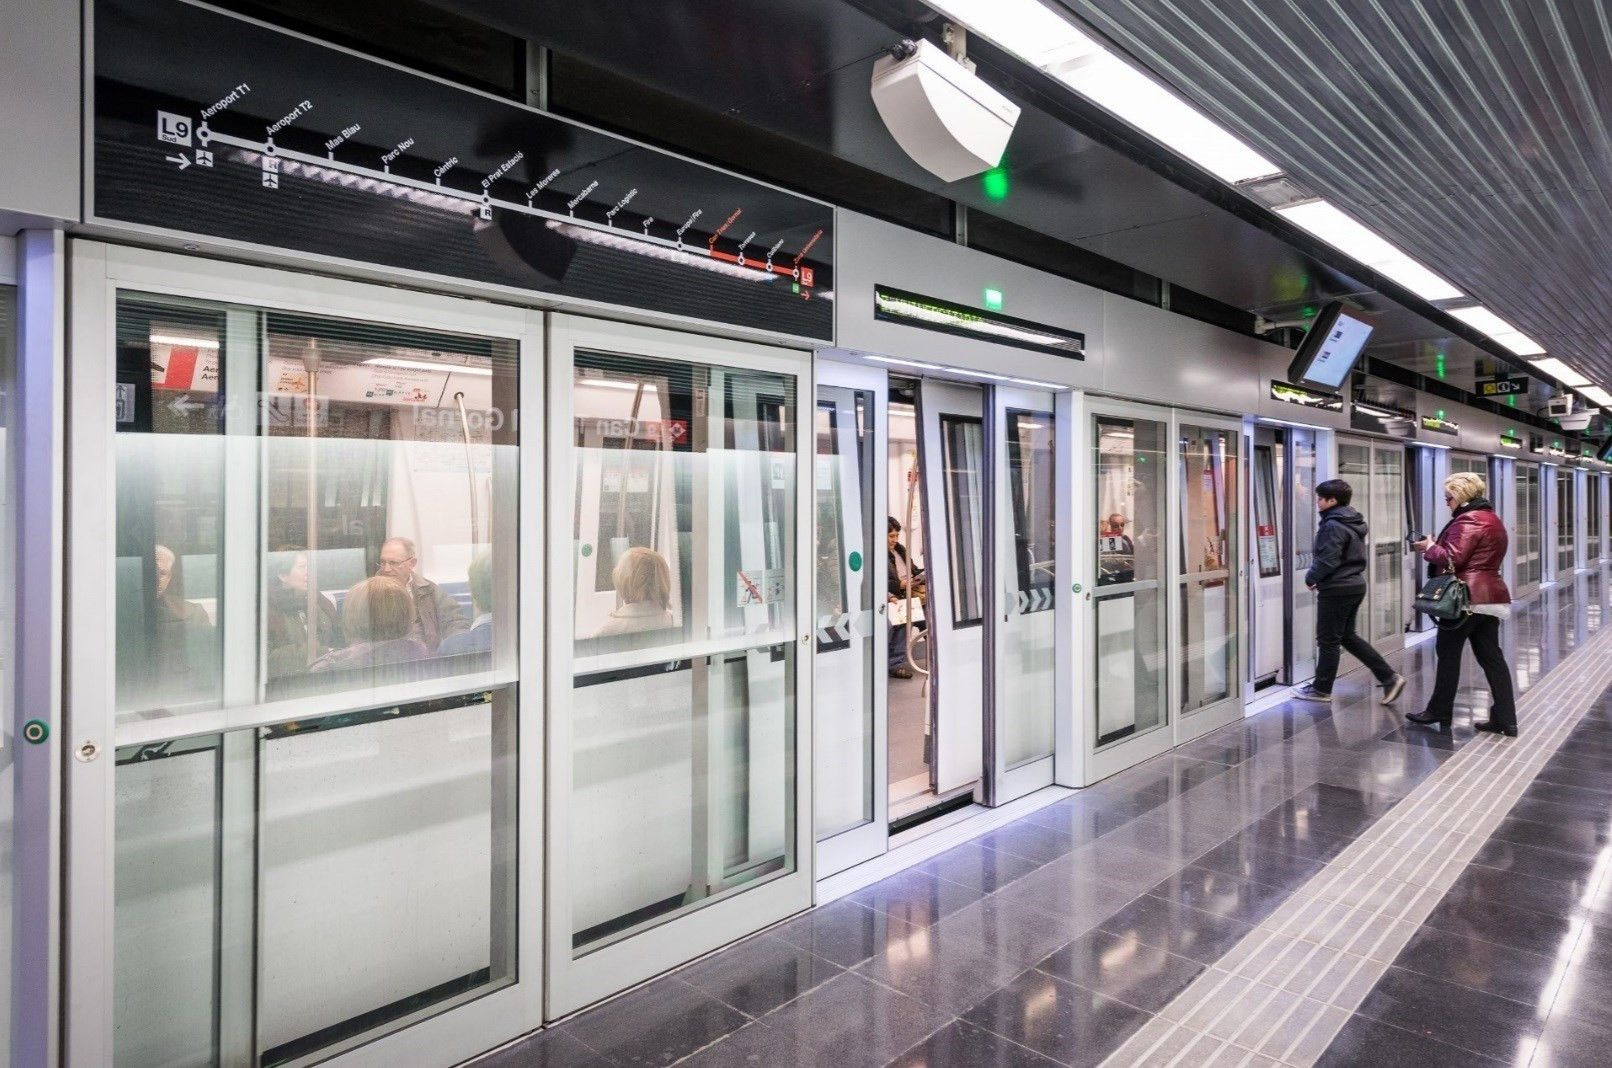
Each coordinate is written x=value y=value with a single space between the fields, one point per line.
x=1473 y=545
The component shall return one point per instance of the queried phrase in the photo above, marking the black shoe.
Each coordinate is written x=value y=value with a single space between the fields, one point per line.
x=1424 y=719
x=1489 y=726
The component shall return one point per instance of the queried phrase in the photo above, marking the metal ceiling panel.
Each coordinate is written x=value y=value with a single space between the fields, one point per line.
x=1472 y=133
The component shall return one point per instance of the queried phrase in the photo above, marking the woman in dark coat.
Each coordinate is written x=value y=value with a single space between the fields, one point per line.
x=1472 y=546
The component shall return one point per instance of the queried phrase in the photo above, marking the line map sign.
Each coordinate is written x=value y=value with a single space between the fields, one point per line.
x=212 y=124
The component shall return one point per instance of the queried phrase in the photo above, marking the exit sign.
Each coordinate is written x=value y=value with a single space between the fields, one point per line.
x=1502 y=385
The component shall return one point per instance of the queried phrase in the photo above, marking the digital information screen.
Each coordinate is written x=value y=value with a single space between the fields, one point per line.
x=1332 y=356
x=207 y=123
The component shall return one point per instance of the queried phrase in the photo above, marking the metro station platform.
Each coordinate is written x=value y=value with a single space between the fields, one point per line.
x=1312 y=885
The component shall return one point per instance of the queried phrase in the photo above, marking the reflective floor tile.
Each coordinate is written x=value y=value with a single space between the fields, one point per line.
x=1280 y=831
x=1500 y=970
x=1070 y=1024
x=1569 y=1042
x=1067 y=888
x=550 y=1048
x=1032 y=841
x=962 y=1045
x=1220 y=893
x=1535 y=862
x=978 y=865
x=917 y=897
x=1128 y=868
x=1123 y=968
x=655 y=1024
x=1171 y=926
x=1504 y=925
x=1241 y=857
x=1162 y=834
x=855 y=1018
x=845 y=933
x=949 y=973
x=1364 y=1041
x=1012 y=931
x=759 y=974
x=1454 y=1015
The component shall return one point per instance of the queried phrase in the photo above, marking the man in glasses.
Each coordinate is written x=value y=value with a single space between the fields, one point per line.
x=436 y=615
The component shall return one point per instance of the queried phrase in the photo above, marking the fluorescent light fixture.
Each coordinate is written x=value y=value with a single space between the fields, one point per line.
x=185 y=342
x=1037 y=385
x=624 y=243
x=1486 y=321
x=615 y=383
x=1045 y=40
x=1353 y=238
x=1597 y=395
x=1562 y=373
x=906 y=363
x=427 y=365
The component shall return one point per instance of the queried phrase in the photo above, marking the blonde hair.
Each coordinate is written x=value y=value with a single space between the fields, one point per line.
x=642 y=575
x=1464 y=486
x=377 y=609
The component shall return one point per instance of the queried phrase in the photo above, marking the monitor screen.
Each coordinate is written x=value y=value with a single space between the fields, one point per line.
x=1605 y=452
x=1330 y=349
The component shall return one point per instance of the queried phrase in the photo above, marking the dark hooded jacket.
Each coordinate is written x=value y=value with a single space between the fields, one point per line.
x=1339 y=563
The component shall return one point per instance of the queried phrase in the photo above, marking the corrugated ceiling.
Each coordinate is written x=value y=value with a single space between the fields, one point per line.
x=1473 y=133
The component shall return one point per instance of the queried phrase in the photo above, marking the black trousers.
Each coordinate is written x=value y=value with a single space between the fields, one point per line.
x=1335 y=631
x=1484 y=634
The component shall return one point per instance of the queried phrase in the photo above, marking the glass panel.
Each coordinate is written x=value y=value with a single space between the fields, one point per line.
x=309 y=507
x=1304 y=604
x=8 y=298
x=845 y=673
x=1592 y=518
x=1209 y=492
x=1129 y=468
x=1566 y=529
x=383 y=453
x=1387 y=525
x=963 y=453
x=685 y=481
x=1028 y=659
x=1266 y=535
x=682 y=765
x=417 y=807
x=1527 y=529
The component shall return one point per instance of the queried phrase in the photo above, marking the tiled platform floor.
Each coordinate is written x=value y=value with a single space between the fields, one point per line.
x=1055 y=939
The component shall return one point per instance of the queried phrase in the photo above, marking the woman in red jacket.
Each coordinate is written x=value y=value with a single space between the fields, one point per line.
x=1473 y=546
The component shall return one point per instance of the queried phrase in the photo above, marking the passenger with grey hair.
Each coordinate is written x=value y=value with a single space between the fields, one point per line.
x=436 y=615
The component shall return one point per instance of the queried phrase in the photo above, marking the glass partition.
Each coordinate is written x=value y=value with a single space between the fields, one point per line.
x=1566 y=521
x=1210 y=487
x=1128 y=468
x=962 y=442
x=8 y=742
x=1387 y=524
x=849 y=533
x=1592 y=518
x=1305 y=461
x=1527 y=533
x=314 y=552
x=1028 y=659
x=682 y=724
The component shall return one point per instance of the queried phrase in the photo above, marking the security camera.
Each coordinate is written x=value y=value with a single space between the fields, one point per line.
x=940 y=112
x=1559 y=406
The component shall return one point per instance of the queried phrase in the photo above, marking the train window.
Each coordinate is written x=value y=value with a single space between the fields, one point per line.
x=1592 y=518
x=1034 y=495
x=963 y=447
x=1208 y=599
x=1266 y=532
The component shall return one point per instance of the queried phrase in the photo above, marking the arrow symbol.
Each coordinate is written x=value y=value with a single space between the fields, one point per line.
x=183 y=405
x=181 y=159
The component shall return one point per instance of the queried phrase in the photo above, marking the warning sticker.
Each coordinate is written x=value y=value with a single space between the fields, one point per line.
x=760 y=587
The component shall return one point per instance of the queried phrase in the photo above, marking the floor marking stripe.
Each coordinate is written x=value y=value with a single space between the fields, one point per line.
x=1282 y=994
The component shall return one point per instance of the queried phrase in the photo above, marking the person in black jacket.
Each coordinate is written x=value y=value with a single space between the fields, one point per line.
x=1338 y=578
x=903 y=578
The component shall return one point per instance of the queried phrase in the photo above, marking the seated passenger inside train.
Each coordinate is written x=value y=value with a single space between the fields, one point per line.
x=183 y=629
x=288 y=604
x=905 y=580
x=435 y=614
x=378 y=617
x=479 y=638
x=643 y=583
x=1116 y=552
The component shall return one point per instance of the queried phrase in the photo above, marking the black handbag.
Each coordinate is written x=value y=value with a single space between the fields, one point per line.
x=1444 y=598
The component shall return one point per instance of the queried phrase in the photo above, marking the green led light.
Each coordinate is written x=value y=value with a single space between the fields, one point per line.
x=1441 y=413
x=993 y=299
x=1511 y=399
x=995 y=184
x=1438 y=368
x=1308 y=312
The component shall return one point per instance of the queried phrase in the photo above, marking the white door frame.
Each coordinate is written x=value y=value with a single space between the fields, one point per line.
x=574 y=982
x=98 y=272
x=871 y=839
x=1008 y=616
x=1229 y=709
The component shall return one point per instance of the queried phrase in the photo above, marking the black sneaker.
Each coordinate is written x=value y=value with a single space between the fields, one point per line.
x=1310 y=693
x=1393 y=688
